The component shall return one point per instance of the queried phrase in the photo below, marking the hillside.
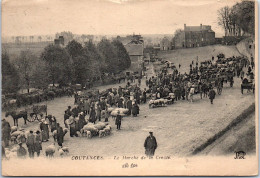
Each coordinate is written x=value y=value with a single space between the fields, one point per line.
x=185 y=56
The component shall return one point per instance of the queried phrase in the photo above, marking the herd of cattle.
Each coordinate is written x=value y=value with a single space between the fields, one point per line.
x=18 y=100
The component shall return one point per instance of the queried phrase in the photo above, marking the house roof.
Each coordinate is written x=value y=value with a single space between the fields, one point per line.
x=135 y=49
x=198 y=28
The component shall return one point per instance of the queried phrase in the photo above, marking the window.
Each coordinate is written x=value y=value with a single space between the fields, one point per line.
x=201 y=39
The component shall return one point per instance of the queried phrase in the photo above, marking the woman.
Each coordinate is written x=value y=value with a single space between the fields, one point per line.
x=38 y=143
x=82 y=120
x=45 y=130
x=135 y=110
x=98 y=112
x=72 y=124
x=60 y=135
x=106 y=115
x=92 y=115
x=53 y=124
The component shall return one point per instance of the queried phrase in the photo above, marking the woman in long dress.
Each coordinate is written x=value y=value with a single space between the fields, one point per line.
x=44 y=127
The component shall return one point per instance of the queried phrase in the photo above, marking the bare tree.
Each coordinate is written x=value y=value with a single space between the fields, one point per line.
x=25 y=64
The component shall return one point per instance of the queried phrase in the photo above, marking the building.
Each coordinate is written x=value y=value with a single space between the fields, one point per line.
x=59 y=41
x=135 y=49
x=165 y=44
x=194 y=36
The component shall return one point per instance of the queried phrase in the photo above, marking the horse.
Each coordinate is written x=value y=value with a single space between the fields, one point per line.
x=17 y=115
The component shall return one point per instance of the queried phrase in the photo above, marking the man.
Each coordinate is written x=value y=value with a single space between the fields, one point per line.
x=86 y=106
x=212 y=95
x=30 y=144
x=6 y=132
x=118 y=120
x=68 y=111
x=21 y=152
x=38 y=143
x=150 y=144
x=144 y=95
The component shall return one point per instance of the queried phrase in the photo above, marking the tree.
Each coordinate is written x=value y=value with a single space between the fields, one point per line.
x=83 y=37
x=26 y=66
x=10 y=77
x=108 y=51
x=223 y=19
x=39 y=77
x=238 y=18
x=74 y=48
x=124 y=61
x=245 y=13
x=58 y=64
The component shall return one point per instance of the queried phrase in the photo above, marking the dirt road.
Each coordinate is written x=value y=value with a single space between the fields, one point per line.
x=178 y=128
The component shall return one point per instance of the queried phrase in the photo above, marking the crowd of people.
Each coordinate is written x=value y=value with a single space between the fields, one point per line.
x=202 y=78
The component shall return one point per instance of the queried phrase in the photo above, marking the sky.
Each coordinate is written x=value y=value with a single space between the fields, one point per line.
x=107 y=17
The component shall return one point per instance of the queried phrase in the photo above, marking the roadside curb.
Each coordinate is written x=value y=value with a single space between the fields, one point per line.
x=237 y=120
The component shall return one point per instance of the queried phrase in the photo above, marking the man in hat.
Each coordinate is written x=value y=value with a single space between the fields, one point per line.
x=150 y=144
x=118 y=120
x=30 y=141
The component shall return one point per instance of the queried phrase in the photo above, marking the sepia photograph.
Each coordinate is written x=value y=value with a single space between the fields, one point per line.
x=129 y=88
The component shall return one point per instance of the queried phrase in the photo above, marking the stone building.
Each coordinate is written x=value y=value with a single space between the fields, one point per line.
x=194 y=36
x=165 y=44
x=59 y=41
x=135 y=49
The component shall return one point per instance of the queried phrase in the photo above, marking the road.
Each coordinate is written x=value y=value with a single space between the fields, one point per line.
x=178 y=128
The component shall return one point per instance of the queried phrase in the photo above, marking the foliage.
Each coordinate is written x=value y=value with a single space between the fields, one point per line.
x=109 y=54
x=74 y=48
x=238 y=19
x=58 y=64
x=124 y=61
x=10 y=77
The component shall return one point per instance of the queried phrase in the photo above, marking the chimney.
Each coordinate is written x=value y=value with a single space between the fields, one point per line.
x=201 y=26
x=184 y=26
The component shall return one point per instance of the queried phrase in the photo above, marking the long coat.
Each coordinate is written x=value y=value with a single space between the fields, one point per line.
x=92 y=115
x=118 y=119
x=135 y=110
x=150 y=145
x=38 y=143
x=45 y=131
x=60 y=136
x=212 y=94
x=129 y=107
x=6 y=129
x=30 y=142
x=82 y=121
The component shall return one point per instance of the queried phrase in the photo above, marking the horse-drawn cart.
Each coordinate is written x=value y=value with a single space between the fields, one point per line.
x=248 y=86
